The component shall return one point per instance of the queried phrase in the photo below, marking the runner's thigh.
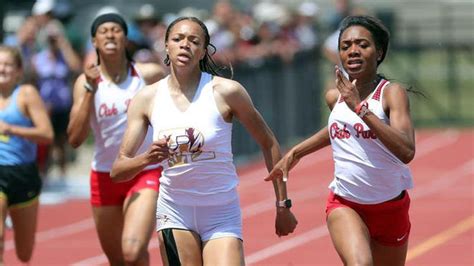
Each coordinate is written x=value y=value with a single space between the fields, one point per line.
x=224 y=251
x=180 y=246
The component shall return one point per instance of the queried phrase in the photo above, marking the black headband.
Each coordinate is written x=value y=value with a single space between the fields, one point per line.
x=109 y=17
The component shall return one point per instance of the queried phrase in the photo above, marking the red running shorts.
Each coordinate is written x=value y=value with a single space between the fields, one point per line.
x=388 y=222
x=105 y=192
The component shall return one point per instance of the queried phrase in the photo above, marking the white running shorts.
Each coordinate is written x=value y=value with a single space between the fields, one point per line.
x=209 y=222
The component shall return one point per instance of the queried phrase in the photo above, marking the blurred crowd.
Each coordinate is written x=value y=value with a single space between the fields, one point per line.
x=54 y=54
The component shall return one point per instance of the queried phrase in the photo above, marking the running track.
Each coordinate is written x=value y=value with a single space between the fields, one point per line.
x=441 y=212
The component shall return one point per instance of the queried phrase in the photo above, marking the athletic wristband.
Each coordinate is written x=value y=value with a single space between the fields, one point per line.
x=89 y=87
x=362 y=109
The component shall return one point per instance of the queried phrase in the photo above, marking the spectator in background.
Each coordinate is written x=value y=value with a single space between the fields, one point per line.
x=342 y=9
x=274 y=35
x=23 y=123
x=43 y=14
x=25 y=40
x=219 y=24
x=152 y=31
x=305 y=28
x=63 y=11
x=54 y=67
x=32 y=36
x=330 y=45
x=147 y=20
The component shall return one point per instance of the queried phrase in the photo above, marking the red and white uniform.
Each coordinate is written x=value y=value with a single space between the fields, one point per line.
x=109 y=119
x=366 y=171
x=108 y=123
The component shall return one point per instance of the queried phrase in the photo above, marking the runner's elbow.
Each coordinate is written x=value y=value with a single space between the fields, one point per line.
x=408 y=156
x=117 y=174
x=74 y=141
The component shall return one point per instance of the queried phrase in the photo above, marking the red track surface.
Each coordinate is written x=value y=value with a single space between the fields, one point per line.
x=441 y=213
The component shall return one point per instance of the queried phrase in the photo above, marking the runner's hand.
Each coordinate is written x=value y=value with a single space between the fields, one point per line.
x=92 y=73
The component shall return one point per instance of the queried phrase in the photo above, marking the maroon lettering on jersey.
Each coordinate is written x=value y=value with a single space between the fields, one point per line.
x=342 y=133
x=105 y=111
x=336 y=132
x=360 y=132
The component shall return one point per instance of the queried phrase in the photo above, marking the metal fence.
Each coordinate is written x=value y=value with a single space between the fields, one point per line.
x=286 y=94
x=445 y=75
x=434 y=53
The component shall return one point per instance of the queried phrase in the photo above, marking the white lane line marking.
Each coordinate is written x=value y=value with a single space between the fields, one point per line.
x=102 y=259
x=434 y=142
x=445 y=180
x=288 y=244
x=57 y=232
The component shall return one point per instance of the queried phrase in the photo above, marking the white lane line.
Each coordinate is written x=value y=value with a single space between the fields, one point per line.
x=97 y=260
x=434 y=142
x=102 y=259
x=57 y=232
x=288 y=244
x=268 y=205
x=256 y=176
x=445 y=180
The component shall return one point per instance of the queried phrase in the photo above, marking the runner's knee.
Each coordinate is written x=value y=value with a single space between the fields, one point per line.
x=24 y=255
x=133 y=250
x=358 y=259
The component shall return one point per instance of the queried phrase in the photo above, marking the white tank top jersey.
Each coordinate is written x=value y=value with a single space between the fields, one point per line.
x=200 y=170
x=366 y=171
x=109 y=119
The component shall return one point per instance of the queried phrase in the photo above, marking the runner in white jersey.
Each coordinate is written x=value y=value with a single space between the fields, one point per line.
x=191 y=111
x=123 y=212
x=200 y=169
x=369 y=173
x=372 y=138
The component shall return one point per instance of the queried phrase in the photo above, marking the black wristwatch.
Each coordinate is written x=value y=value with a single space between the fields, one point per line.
x=284 y=204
